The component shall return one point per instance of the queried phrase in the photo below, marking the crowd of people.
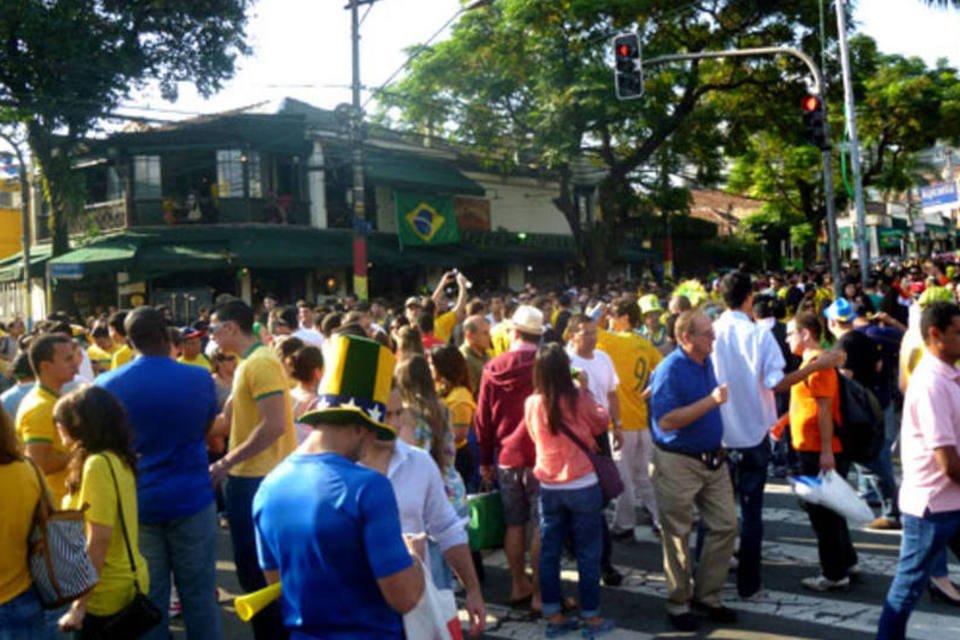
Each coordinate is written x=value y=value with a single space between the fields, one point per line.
x=339 y=443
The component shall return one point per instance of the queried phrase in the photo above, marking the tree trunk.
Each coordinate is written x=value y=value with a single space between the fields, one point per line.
x=62 y=188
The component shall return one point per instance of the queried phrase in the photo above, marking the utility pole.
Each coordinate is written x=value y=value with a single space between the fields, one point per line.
x=359 y=223
x=25 y=231
x=851 y=118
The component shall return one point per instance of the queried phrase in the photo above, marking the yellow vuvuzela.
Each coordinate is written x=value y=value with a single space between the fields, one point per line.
x=250 y=604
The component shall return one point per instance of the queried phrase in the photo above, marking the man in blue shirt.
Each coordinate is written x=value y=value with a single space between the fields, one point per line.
x=689 y=470
x=329 y=529
x=170 y=407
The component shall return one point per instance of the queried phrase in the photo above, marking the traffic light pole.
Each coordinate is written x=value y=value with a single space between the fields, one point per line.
x=356 y=155
x=851 y=118
x=827 y=160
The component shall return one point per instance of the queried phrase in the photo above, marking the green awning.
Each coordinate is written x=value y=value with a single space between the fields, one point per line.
x=413 y=172
x=113 y=254
x=901 y=223
x=935 y=229
x=11 y=267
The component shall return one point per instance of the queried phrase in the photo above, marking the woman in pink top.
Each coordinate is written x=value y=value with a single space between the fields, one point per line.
x=570 y=498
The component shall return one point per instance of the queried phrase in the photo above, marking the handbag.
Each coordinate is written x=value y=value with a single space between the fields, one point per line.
x=140 y=615
x=57 y=556
x=611 y=484
x=486 y=527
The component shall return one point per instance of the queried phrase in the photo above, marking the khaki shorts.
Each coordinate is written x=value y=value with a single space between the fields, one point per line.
x=520 y=492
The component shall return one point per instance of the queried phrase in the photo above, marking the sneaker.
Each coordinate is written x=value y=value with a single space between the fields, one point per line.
x=610 y=577
x=684 y=621
x=720 y=613
x=855 y=570
x=822 y=583
x=884 y=523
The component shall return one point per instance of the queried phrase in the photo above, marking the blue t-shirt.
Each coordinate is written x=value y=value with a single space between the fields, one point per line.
x=11 y=397
x=677 y=382
x=332 y=529
x=170 y=407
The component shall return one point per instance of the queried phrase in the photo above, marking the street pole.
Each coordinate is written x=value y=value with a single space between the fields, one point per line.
x=360 y=288
x=25 y=232
x=832 y=245
x=851 y=118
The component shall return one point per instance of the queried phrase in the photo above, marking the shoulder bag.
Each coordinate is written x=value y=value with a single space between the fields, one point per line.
x=611 y=485
x=141 y=614
x=57 y=556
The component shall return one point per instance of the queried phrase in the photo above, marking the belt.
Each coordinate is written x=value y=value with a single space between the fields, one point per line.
x=712 y=459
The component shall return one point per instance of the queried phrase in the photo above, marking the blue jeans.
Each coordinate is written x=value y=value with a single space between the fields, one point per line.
x=579 y=513
x=924 y=539
x=748 y=473
x=187 y=547
x=238 y=494
x=22 y=618
x=882 y=467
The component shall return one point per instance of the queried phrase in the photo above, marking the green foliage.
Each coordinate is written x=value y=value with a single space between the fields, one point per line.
x=66 y=64
x=528 y=83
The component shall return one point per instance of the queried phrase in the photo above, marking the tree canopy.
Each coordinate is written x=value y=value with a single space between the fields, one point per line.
x=528 y=83
x=66 y=64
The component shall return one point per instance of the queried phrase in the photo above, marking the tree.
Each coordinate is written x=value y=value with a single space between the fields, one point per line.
x=66 y=64
x=528 y=83
x=903 y=107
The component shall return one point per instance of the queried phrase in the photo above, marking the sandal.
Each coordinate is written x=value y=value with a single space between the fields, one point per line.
x=555 y=630
x=596 y=630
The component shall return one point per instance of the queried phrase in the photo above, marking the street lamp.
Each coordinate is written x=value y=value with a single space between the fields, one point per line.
x=360 y=283
x=25 y=231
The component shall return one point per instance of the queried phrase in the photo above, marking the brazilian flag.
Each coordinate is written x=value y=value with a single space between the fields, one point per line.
x=425 y=219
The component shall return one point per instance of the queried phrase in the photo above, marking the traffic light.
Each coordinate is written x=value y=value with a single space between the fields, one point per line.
x=628 y=72
x=814 y=121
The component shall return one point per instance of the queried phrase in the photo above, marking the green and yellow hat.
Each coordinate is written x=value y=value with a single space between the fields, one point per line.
x=355 y=386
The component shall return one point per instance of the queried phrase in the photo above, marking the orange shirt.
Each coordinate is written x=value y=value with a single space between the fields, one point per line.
x=804 y=426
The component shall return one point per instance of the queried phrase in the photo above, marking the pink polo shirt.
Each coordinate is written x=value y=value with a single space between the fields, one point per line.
x=559 y=460
x=931 y=419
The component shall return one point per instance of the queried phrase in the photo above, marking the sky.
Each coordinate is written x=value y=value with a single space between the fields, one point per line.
x=302 y=48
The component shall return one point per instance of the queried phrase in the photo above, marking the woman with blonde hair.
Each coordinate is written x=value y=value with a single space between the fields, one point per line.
x=101 y=475
x=21 y=616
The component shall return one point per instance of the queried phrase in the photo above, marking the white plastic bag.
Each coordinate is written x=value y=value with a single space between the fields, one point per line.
x=435 y=616
x=833 y=492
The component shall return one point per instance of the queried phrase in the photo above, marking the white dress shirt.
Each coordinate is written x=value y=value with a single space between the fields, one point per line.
x=422 y=499
x=747 y=358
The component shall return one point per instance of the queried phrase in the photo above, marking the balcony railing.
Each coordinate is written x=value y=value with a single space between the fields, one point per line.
x=100 y=217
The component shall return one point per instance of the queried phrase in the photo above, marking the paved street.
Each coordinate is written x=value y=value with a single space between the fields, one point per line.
x=784 y=612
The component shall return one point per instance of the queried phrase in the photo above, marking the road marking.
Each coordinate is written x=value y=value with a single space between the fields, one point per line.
x=840 y=614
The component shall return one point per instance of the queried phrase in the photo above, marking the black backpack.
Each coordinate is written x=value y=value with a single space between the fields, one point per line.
x=861 y=421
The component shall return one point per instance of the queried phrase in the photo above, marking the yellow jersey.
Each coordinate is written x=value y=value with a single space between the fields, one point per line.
x=20 y=497
x=634 y=358
x=35 y=425
x=200 y=361
x=443 y=326
x=260 y=375
x=121 y=356
x=114 y=589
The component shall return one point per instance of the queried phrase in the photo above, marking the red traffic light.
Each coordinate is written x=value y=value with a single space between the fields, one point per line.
x=809 y=104
x=623 y=51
